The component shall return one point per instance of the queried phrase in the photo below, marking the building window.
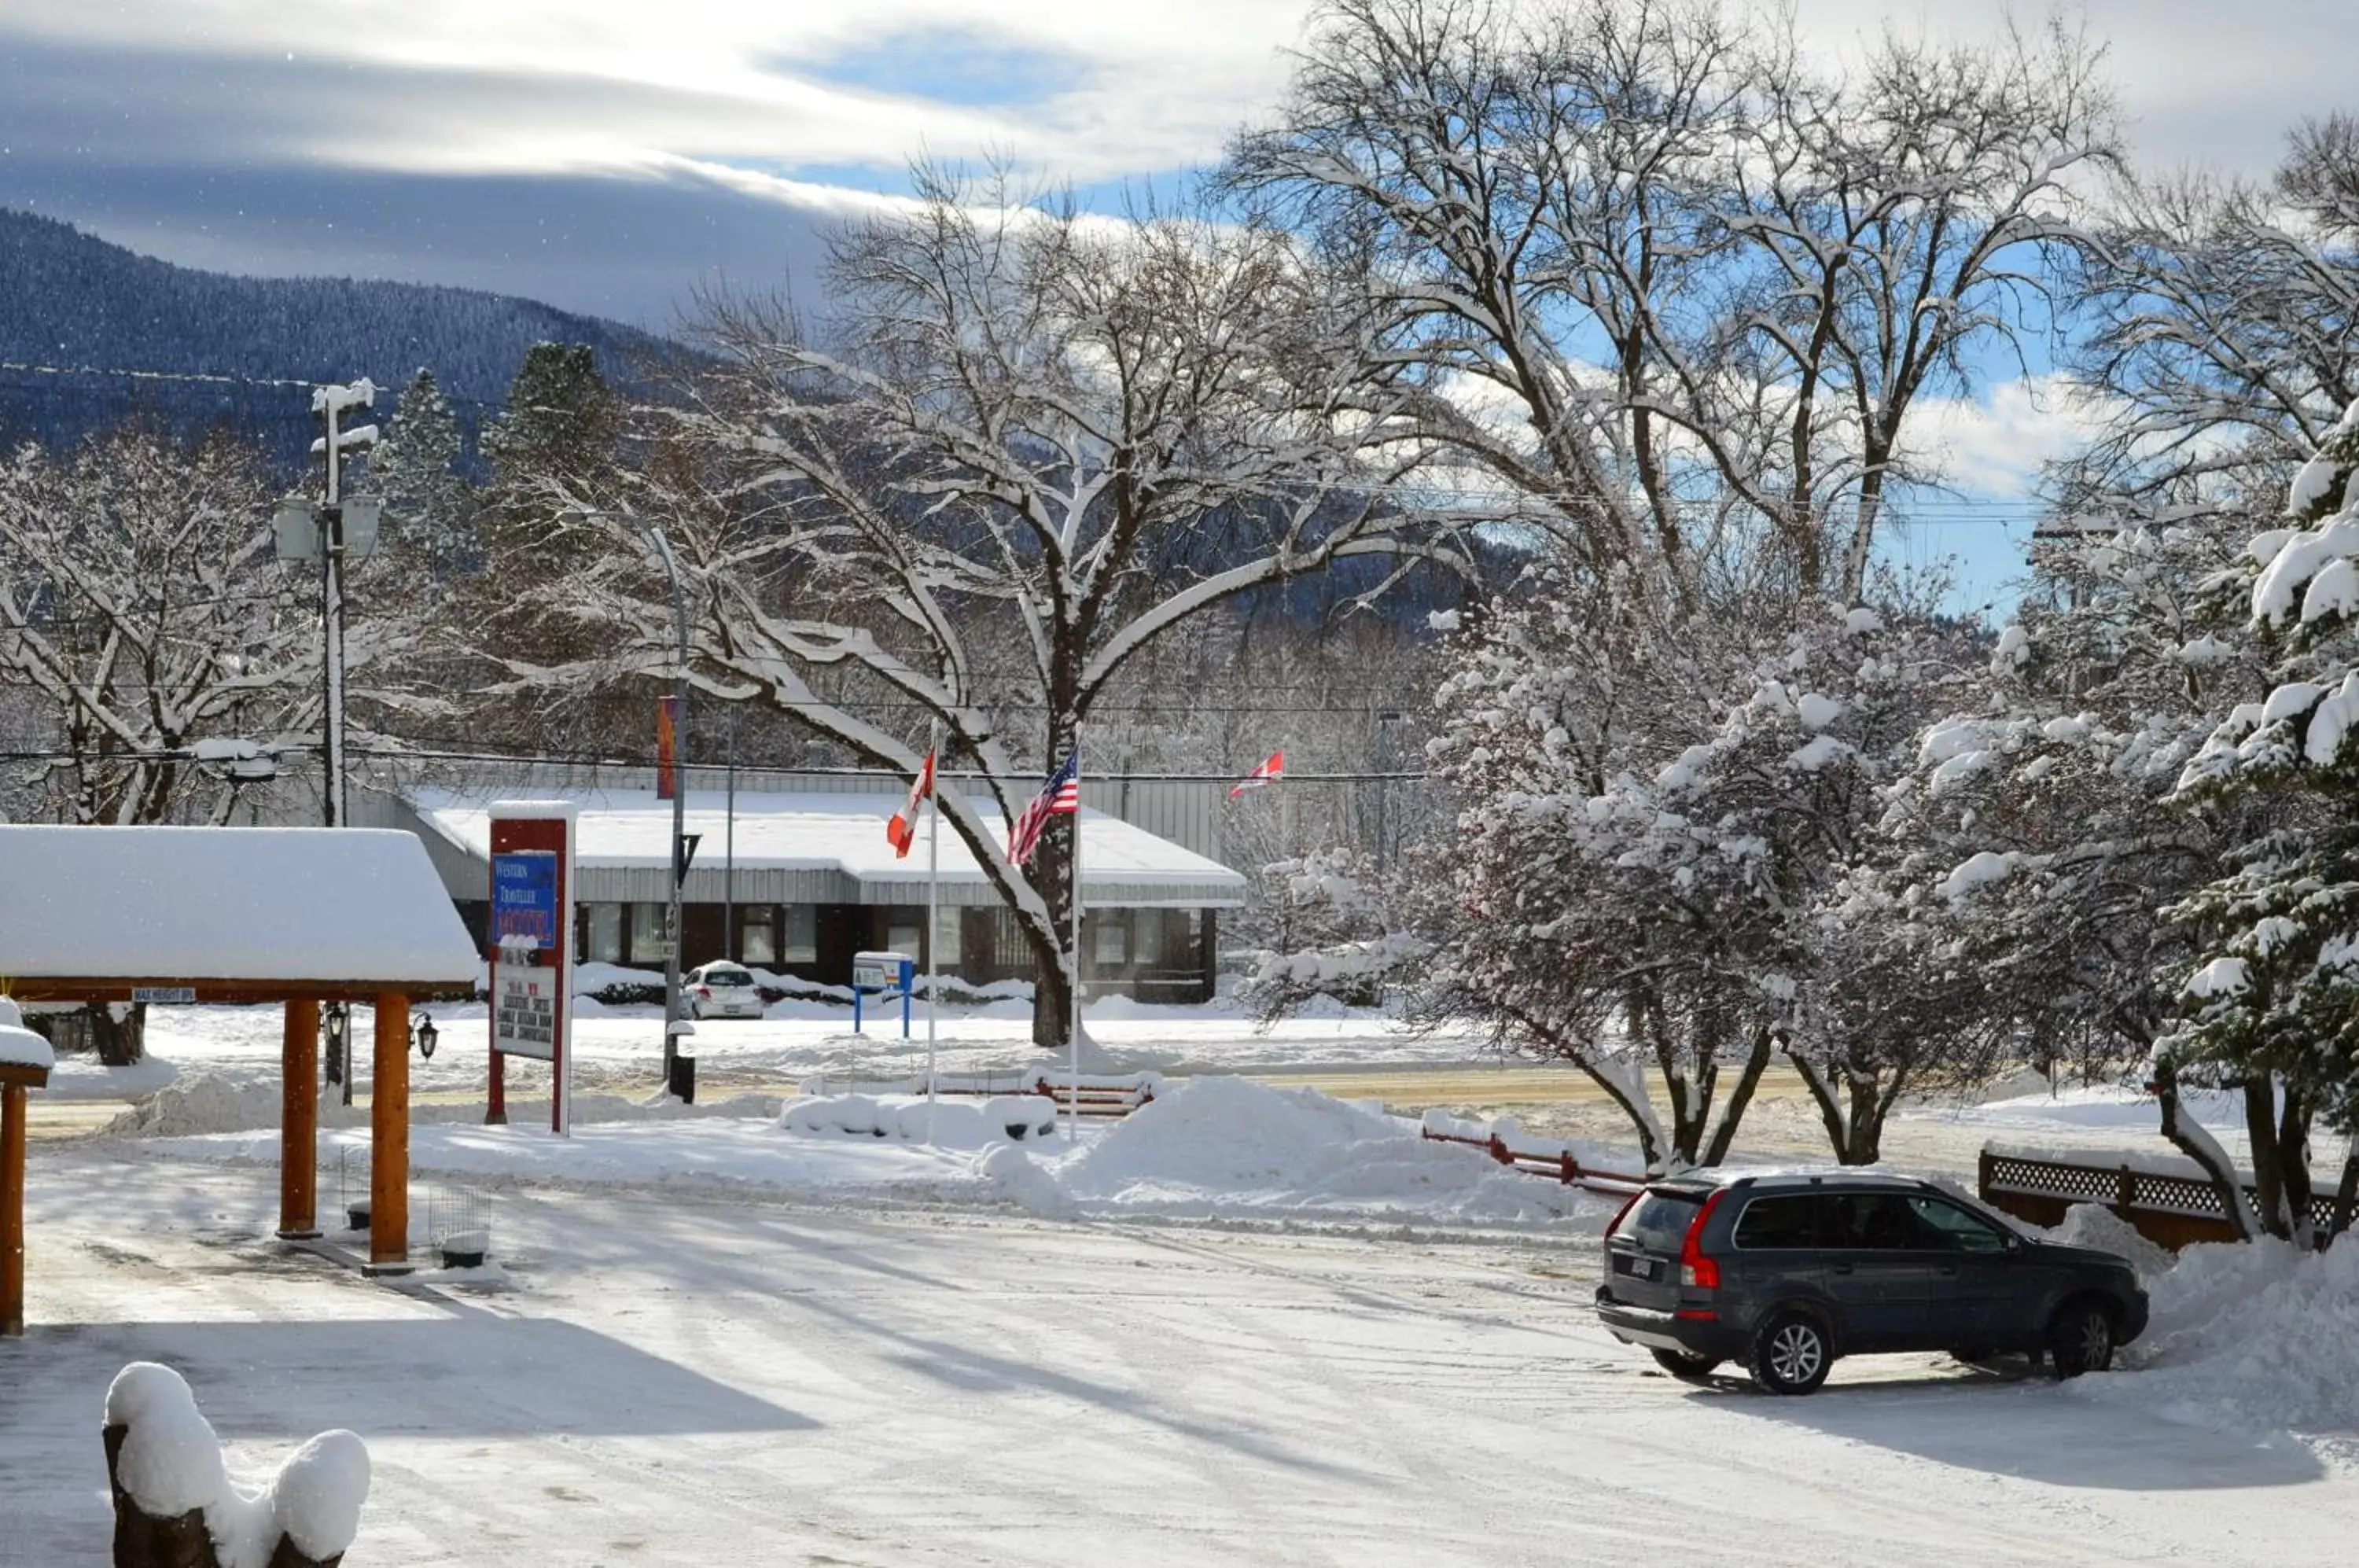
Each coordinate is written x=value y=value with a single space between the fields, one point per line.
x=605 y=944
x=902 y=927
x=757 y=934
x=801 y=944
x=1109 y=939
x=946 y=938
x=647 y=932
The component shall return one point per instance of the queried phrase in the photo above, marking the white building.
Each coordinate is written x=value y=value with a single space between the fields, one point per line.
x=796 y=880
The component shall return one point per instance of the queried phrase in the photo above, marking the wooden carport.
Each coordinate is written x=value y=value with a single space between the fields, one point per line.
x=292 y=916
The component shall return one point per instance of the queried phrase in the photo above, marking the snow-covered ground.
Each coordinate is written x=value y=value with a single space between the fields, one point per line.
x=685 y=1377
x=799 y=1039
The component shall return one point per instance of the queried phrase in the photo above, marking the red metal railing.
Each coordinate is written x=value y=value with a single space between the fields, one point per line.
x=1560 y=1165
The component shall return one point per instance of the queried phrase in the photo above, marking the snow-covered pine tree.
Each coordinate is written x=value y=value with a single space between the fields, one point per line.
x=2268 y=1004
x=430 y=504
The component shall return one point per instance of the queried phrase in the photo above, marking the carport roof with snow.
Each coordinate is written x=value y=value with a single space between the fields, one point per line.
x=234 y=914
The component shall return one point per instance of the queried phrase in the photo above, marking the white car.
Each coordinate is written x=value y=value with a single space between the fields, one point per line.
x=721 y=991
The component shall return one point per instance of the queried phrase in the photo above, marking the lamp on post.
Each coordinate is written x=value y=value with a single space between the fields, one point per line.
x=674 y=1026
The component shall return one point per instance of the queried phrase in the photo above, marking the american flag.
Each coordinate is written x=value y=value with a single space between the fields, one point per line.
x=1061 y=796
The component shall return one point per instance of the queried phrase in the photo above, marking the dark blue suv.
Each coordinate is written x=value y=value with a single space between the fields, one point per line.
x=1785 y=1272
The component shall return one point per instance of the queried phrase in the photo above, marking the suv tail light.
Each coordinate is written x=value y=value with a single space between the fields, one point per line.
x=705 y=992
x=1695 y=1268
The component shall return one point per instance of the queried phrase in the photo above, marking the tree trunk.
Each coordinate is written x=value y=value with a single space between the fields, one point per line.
x=1051 y=874
x=1740 y=1095
x=120 y=1042
x=2199 y=1146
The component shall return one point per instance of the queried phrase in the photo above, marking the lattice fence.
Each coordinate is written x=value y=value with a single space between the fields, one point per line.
x=2123 y=1187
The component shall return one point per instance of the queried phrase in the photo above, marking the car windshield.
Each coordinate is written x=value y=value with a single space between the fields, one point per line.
x=1660 y=1221
x=727 y=978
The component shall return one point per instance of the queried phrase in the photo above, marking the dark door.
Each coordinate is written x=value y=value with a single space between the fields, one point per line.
x=1880 y=1280
x=843 y=930
x=1975 y=1284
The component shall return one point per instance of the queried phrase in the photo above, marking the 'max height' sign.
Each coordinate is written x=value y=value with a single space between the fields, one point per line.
x=531 y=948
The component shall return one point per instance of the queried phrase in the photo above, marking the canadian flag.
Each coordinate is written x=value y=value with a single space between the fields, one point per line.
x=903 y=829
x=1269 y=772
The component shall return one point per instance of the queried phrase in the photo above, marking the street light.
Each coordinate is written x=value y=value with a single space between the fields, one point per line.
x=673 y=1025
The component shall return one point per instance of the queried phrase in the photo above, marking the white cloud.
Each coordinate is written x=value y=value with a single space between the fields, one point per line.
x=623 y=84
x=1993 y=445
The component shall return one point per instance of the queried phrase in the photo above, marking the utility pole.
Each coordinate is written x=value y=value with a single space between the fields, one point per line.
x=328 y=404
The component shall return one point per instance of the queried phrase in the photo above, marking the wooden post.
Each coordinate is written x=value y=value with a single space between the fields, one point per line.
x=389 y=1135
x=299 y=1121
x=11 y=1208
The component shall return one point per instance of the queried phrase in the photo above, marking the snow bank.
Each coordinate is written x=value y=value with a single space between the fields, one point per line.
x=1228 y=1144
x=952 y=1124
x=200 y=1103
x=2093 y=1225
x=171 y=1462
x=2255 y=1335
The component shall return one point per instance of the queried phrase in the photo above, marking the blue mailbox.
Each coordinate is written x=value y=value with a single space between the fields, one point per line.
x=887 y=975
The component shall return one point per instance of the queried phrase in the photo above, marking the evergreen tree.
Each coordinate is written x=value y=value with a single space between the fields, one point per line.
x=2269 y=1003
x=430 y=506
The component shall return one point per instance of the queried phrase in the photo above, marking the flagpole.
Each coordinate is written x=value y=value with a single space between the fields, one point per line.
x=1073 y=1045
x=933 y=916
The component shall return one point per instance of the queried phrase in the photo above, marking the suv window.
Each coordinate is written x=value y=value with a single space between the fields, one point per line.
x=1869 y=1221
x=1659 y=1223
x=1779 y=1222
x=1952 y=1229
x=727 y=978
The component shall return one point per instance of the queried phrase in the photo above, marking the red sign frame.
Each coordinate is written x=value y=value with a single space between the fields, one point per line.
x=549 y=830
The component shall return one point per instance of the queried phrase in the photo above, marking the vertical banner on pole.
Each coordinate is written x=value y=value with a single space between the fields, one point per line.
x=530 y=947
x=667 y=747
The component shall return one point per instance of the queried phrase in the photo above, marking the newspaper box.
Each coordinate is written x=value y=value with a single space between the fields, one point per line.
x=887 y=975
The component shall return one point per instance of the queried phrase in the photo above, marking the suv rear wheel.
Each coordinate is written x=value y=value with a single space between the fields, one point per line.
x=2079 y=1339
x=1790 y=1355
x=1685 y=1368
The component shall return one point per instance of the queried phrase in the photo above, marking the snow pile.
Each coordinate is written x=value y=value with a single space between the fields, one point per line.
x=207 y=1103
x=952 y=1124
x=1228 y=1144
x=201 y=1104
x=2256 y=1334
x=2095 y=1226
x=171 y=1463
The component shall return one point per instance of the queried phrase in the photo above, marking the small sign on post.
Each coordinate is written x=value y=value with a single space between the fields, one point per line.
x=888 y=973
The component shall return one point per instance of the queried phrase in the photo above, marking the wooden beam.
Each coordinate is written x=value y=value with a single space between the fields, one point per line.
x=11 y=1208
x=390 y=1134
x=299 y=1121
x=120 y=987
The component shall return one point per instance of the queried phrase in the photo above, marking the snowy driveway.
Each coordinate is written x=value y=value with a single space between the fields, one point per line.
x=706 y=1382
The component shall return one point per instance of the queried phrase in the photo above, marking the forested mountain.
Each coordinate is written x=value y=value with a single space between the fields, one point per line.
x=71 y=304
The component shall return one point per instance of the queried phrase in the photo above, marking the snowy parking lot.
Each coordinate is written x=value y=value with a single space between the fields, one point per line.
x=699 y=1381
x=1245 y=1326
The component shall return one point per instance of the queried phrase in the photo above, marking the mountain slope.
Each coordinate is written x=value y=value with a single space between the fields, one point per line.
x=71 y=304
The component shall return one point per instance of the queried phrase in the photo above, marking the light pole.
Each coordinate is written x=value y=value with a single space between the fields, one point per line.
x=673 y=1024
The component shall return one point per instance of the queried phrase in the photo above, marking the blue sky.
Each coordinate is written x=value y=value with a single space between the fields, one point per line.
x=613 y=156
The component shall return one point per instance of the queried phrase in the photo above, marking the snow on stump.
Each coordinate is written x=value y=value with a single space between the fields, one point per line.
x=174 y=1505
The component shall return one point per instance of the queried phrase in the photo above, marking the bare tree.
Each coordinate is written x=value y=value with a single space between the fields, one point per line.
x=141 y=605
x=1669 y=286
x=1031 y=444
x=2220 y=318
